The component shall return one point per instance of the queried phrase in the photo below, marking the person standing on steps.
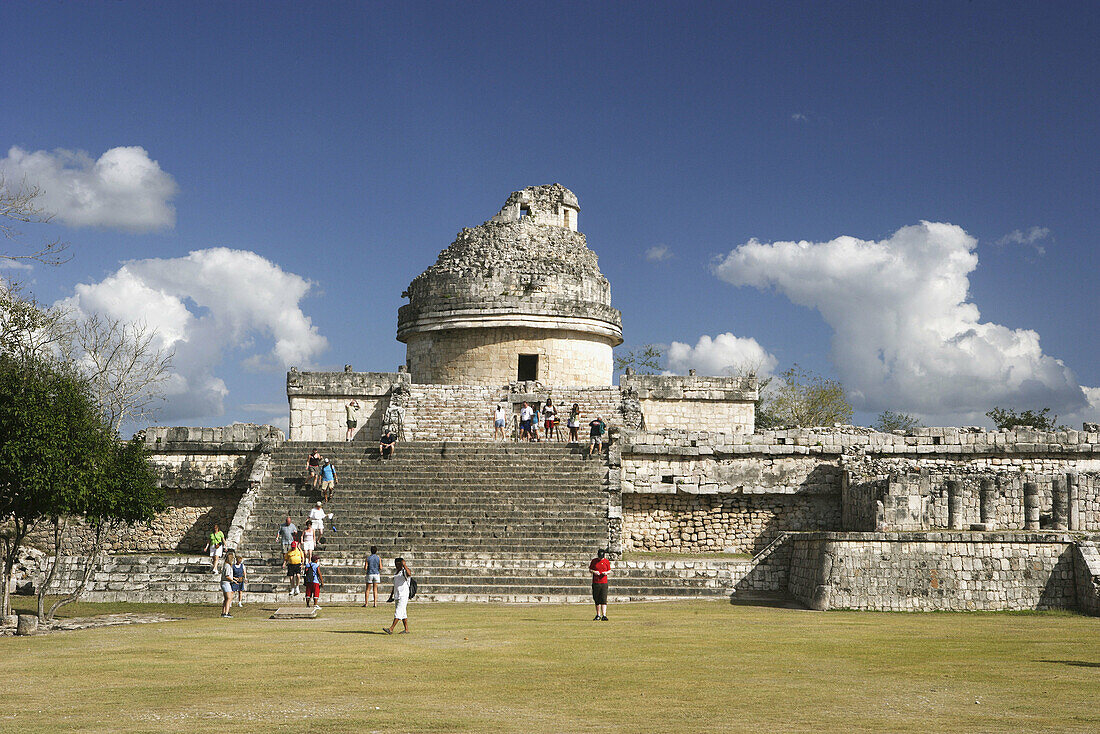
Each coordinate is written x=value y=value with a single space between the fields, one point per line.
x=525 y=416
x=313 y=469
x=574 y=422
x=309 y=541
x=314 y=581
x=293 y=562
x=549 y=419
x=215 y=545
x=328 y=483
x=285 y=534
x=227 y=586
x=373 y=567
x=595 y=430
x=352 y=412
x=499 y=417
x=239 y=576
x=599 y=568
x=400 y=595
x=317 y=517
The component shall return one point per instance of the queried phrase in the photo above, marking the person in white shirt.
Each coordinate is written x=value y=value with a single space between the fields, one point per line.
x=317 y=516
x=309 y=540
x=400 y=595
x=525 y=416
x=499 y=417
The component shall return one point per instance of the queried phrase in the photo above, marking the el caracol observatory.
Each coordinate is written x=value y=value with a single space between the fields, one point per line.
x=518 y=298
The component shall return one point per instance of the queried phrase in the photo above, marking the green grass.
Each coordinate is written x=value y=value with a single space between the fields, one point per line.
x=666 y=667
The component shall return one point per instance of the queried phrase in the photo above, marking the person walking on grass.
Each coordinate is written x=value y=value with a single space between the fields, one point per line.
x=215 y=545
x=599 y=568
x=373 y=567
x=314 y=581
x=400 y=595
x=239 y=576
x=227 y=586
x=595 y=431
x=293 y=562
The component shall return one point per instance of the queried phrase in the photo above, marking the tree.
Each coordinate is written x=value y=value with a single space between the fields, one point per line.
x=1040 y=420
x=645 y=361
x=21 y=205
x=889 y=421
x=798 y=397
x=54 y=450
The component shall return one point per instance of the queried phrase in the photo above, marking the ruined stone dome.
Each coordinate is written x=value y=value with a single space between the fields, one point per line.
x=525 y=267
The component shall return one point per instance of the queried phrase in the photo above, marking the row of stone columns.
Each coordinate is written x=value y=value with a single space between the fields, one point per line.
x=1065 y=505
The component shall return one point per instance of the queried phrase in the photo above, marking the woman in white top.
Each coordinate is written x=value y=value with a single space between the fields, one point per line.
x=400 y=595
x=317 y=516
x=309 y=541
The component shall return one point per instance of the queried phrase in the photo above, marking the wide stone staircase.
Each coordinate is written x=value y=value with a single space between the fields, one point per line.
x=510 y=522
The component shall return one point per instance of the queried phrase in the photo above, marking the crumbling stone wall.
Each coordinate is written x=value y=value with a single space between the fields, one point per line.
x=317 y=401
x=933 y=571
x=695 y=403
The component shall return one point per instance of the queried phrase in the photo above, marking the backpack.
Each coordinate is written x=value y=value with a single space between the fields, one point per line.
x=412 y=588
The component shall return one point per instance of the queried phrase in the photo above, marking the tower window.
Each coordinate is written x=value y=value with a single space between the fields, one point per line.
x=528 y=367
x=524 y=211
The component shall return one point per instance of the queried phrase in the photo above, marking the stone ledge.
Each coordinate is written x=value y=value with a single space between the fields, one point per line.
x=941 y=536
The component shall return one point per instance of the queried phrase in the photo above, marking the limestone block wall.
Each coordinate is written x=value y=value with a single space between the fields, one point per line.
x=490 y=356
x=736 y=523
x=317 y=401
x=695 y=403
x=933 y=571
x=1087 y=568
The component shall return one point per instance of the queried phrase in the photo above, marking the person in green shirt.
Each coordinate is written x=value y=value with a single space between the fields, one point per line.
x=215 y=545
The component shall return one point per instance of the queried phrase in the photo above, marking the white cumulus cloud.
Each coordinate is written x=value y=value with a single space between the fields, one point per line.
x=725 y=354
x=122 y=189
x=211 y=305
x=905 y=336
x=658 y=253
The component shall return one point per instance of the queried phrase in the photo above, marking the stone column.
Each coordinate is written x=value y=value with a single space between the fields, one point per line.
x=987 y=504
x=954 y=504
x=1073 y=499
x=1031 y=506
x=1060 y=505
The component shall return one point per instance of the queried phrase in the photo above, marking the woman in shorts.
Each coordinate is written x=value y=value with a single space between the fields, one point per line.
x=549 y=418
x=313 y=467
x=574 y=422
x=309 y=542
x=227 y=585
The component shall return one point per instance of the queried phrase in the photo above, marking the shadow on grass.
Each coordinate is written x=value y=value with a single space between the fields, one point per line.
x=1074 y=663
x=357 y=632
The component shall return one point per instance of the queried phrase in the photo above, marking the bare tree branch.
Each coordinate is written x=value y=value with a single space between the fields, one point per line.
x=21 y=205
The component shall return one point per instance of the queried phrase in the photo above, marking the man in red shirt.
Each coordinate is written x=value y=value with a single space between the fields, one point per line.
x=599 y=567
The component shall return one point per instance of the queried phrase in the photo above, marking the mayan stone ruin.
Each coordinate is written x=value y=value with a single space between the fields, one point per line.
x=516 y=311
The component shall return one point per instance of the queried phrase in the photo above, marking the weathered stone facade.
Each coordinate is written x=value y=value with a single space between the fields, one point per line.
x=520 y=297
x=695 y=403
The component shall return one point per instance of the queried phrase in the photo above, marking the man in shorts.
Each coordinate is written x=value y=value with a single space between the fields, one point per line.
x=328 y=481
x=317 y=517
x=387 y=445
x=373 y=567
x=285 y=534
x=526 y=415
x=599 y=567
x=314 y=582
x=215 y=545
x=292 y=560
x=352 y=412
x=595 y=432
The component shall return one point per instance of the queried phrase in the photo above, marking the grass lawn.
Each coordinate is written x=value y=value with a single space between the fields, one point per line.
x=667 y=667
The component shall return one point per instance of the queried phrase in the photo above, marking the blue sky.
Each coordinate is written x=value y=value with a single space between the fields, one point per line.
x=333 y=149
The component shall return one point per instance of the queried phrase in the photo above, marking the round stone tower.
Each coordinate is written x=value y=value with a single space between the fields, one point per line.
x=520 y=297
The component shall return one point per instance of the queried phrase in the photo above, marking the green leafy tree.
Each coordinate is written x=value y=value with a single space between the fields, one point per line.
x=645 y=360
x=59 y=460
x=798 y=397
x=889 y=421
x=1005 y=419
